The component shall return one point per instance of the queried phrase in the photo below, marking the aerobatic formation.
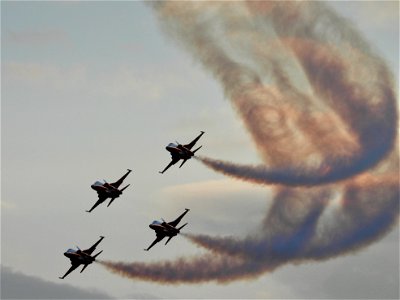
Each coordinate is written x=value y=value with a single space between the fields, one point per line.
x=107 y=190
x=321 y=109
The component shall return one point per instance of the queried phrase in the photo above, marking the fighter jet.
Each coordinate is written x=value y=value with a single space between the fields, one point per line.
x=79 y=257
x=179 y=152
x=164 y=229
x=108 y=190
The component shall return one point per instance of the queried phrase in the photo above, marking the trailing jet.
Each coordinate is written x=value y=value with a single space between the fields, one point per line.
x=179 y=152
x=79 y=257
x=164 y=229
x=108 y=190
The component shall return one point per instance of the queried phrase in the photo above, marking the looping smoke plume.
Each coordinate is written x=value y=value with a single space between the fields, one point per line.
x=321 y=109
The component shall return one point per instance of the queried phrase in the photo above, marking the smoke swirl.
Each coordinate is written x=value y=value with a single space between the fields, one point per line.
x=321 y=109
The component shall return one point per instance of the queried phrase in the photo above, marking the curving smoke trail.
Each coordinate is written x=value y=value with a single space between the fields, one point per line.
x=188 y=270
x=294 y=231
x=262 y=60
x=283 y=134
x=322 y=112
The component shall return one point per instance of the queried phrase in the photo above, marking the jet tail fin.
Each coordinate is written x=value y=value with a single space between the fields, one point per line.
x=168 y=240
x=194 y=151
x=182 y=226
x=84 y=267
x=97 y=254
x=183 y=163
x=121 y=190
x=124 y=188
x=112 y=199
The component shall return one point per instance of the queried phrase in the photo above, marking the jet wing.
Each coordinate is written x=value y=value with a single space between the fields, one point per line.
x=119 y=181
x=102 y=198
x=174 y=160
x=159 y=237
x=73 y=267
x=177 y=220
x=91 y=249
x=192 y=143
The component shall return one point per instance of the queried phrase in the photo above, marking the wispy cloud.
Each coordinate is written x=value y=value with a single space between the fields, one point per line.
x=7 y=205
x=216 y=196
x=118 y=82
x=212 y=188
x=37 y=38
x=41 y=75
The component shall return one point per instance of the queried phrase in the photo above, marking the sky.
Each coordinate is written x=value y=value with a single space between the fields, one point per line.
x=90 y=89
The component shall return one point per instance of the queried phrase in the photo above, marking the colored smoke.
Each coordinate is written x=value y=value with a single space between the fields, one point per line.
x=321 y=109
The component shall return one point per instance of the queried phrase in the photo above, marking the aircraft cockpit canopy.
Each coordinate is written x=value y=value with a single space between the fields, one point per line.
x=156 y=222
x=71 y=251
x=172 y=145
x=99 y=183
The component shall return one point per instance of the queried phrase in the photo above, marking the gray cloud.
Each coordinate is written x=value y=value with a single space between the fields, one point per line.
x=16 y=285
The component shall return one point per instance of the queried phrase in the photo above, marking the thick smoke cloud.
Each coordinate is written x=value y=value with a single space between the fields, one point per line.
x=322 y=112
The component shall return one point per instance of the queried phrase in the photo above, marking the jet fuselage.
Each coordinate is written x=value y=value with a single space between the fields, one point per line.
x=79 y=256
x=168 y=230
x=109 y=190
x=180 y=150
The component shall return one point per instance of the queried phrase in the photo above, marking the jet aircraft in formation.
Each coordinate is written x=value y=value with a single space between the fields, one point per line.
x=108 y=190
x=164 y=229
x=179 y=152
x=79 y=257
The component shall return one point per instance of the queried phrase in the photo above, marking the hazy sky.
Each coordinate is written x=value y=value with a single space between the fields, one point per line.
x=90 y=89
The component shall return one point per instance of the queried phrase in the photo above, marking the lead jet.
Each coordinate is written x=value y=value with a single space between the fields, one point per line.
x=108 y=190
x=164 y=229
x=179 y=152
x=79 y=257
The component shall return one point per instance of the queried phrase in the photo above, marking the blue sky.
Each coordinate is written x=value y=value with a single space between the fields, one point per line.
x=92 y=88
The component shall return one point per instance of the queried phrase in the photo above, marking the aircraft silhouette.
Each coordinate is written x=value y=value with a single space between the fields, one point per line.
x=179 y=152
x=108 y=190
x=164 y=229
x=79 y=257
